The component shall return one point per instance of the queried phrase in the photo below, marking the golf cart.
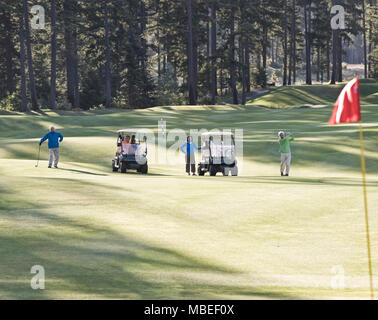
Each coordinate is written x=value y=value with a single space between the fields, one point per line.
x=218 y=154
x=131 y=151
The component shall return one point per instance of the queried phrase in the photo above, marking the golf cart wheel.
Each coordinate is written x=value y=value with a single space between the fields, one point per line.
x=234 y=171
x=213 y=171
x=144 y=169
x=123 y=167
x=226 y=172
x=115 y=169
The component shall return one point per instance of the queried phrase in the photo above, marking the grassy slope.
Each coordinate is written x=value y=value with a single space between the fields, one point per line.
x=295 y=96
x=105 y=235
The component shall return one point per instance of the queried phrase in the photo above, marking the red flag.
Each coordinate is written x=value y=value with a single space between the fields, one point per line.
x=348 y=108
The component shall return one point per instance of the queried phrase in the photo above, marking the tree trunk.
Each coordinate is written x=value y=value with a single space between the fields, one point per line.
x=285 y=45
x=107 y=64
x=243 y=52
x=306 y=38
x=76 y=70
x=322 y=76
x=165 y=59
x=159 y=60
x=244 y=76
x=340 y=58
x=318 y=65
x=72 y=61
x=24 y=102
x=53 y=56
x=370 y=45
x=70 y=78
x=221 y=80
x=365 y=44
x=295 y=62
x=10 y=65
x=277 y=49
x=213 y=51
x=240 y=54
x=143 y=51
x=334 y=53
x=118 y=68
x=265 y=47
x=310 y=42
x=9 y=56
x=143 y=28
x=191 y=77
x=33 y=91
x=175 y=68
x=307 y=16
x=328 y=63
x=232 y=69
x=195 y=61
x=292 y=41
x=334 y=56
x=248 y=67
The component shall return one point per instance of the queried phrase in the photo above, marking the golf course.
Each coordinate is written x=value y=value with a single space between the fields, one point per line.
x=105 y=235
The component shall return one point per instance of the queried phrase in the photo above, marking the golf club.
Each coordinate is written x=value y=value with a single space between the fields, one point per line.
x=39 y=153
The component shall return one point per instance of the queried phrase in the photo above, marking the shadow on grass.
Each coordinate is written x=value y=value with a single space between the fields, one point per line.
x=88 y=260
x=83 y=172
x=8 y=113
x=312 y=181
x=134 y=173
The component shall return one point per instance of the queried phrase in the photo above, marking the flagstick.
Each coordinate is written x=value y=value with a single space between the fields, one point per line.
x=363 y=169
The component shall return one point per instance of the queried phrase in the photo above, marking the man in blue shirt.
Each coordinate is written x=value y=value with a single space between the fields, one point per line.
x=189 y=149
x=54 y=139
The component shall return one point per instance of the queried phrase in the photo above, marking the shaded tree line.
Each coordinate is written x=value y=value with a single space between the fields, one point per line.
x=141 y=53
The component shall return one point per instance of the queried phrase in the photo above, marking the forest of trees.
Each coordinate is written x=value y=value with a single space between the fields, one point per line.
x=141 y=53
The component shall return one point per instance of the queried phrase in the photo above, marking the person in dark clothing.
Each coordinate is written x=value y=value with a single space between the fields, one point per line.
x=189 y=149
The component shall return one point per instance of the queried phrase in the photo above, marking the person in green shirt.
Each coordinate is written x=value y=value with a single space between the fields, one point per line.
x=285 y=151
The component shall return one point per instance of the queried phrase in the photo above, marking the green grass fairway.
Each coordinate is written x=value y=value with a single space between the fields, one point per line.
x=169 y=236
x=298 y=96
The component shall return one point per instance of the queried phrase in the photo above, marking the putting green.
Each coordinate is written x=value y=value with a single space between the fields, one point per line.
x=169 y=236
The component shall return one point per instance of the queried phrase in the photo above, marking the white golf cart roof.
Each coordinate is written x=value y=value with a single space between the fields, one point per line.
x=131 y=131
x=209 y=134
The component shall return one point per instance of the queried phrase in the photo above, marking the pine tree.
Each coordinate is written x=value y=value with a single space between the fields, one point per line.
x=33 y=92
x=53 y=55
x=22 y=66
x=108 y=62
x=213 y=50
x=191 y=67
x=285 y=43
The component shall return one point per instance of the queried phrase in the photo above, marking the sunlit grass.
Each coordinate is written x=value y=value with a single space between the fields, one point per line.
x=168 y=236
